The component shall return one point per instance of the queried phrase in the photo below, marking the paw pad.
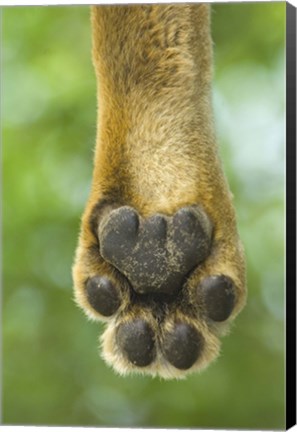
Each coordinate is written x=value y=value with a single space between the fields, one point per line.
x=102 y=295
x=218 y=296
x=136 y=341
x=182 y=346
x=155 y=254
x=162 y=311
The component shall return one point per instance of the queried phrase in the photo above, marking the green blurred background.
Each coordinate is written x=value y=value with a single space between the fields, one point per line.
x=52 y=372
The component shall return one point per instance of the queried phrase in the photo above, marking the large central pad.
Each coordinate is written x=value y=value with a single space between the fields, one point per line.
x=155 y=254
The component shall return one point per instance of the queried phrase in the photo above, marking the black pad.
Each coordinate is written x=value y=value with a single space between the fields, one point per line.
x=155 y=254
x=183 y=346
x=136 y=341
x=218 y=296
x=102 y=295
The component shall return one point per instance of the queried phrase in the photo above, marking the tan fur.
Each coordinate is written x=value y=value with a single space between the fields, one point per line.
x=156 y=149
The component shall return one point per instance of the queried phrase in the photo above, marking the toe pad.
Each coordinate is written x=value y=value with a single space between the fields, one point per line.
x=182 y=346
x=102 y=295
x=218 y=296
x=136 y=341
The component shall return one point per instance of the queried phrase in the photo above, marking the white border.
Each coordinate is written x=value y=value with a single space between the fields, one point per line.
x=93 y=429
x=104 y=429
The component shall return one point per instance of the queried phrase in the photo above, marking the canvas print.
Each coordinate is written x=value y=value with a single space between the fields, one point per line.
x=143 y=209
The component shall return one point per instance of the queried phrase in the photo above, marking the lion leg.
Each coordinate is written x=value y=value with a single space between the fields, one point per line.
x=159 y=257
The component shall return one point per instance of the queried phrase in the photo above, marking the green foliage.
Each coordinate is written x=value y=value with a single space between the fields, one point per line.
x=52 y=373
